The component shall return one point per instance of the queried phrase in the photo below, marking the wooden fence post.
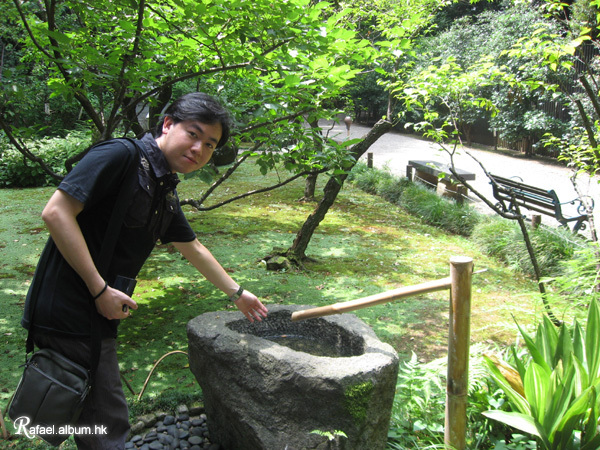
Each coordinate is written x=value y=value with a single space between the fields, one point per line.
x=461 y=269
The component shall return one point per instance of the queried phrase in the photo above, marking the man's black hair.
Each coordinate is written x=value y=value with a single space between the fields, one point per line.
x=201 y=107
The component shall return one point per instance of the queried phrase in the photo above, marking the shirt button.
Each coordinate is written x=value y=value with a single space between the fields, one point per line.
x=161 y=183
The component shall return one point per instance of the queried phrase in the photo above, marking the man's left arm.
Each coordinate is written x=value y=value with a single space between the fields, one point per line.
x=201 y=258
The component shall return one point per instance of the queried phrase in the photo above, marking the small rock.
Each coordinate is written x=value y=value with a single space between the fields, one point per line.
x=183 y=417
x=173 y=431
x=148 y=419
x=138 y=427
x=151 y=436
x=184 y=434
x=196 y=422
x=169 y=420
x=182 y=409
x=156 y=445
x=195 y=440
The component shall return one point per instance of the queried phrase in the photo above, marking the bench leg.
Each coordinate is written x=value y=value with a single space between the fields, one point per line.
x=456 y=191
x=429 y=180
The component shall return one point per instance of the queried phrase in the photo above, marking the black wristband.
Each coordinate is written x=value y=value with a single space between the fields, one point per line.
x=101 y=292
x=237 y=294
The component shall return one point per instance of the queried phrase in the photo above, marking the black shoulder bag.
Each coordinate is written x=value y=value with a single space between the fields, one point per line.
x=51 y=393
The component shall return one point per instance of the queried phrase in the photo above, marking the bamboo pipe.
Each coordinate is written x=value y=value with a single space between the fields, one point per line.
x=377 y=299
x=384 y=297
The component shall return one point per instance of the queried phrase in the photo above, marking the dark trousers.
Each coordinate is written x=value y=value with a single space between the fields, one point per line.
x=105 y=414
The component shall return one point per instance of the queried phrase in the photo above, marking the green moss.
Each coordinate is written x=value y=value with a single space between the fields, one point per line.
x=357 y=400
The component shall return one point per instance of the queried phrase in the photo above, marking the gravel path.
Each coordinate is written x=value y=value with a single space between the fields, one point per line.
x=393 y=151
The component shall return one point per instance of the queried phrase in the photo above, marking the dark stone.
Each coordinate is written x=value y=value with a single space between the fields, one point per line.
x=262 y=395
x=156 y=445
x=195 y=440
x=169 y=420
x=197 y=431
x=151 y=436
x=277 y=263
x=184 y=434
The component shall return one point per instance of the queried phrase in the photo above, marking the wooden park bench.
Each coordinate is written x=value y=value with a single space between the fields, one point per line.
x=448 y=185
x=511 y=193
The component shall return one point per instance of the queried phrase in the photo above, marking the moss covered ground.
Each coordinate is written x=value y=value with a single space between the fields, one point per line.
x=364 y=246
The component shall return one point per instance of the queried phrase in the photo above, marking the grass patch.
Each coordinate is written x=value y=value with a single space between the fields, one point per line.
x=364 y=246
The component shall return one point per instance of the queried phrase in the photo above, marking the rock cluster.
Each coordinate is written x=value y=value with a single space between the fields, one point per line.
x=185 y=429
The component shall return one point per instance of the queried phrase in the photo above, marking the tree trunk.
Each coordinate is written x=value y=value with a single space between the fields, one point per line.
x=311 y=179
x=309 y=187
x=297 y=252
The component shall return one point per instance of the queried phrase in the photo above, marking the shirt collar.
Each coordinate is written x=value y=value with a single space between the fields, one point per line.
x=157 y=160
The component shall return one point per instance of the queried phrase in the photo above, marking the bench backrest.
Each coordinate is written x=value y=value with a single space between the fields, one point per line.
x=530 y=197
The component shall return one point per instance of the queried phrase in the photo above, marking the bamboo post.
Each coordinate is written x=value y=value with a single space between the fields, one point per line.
x=461 y=269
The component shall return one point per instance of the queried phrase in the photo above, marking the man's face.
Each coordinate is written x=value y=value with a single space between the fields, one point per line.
x=188 y=145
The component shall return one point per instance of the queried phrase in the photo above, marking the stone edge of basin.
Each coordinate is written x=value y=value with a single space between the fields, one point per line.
x=213 y=326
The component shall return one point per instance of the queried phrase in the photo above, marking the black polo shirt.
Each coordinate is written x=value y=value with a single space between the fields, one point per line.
x=64 y=302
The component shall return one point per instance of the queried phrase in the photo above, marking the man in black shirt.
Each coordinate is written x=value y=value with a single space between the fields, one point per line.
x=77 y=217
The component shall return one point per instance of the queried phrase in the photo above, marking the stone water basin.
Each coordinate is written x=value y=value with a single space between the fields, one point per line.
x=270 y=384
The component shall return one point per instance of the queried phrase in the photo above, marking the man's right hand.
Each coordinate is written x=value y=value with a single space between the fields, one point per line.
x=110 y=304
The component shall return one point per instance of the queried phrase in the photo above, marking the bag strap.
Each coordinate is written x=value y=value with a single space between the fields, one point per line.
x=112 y=232
x=110 y=240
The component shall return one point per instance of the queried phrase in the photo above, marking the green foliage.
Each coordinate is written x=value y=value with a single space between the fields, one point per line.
x=416 y=199
x=418 y=414
x=16 y=171
x=167 y=401
x=269 y=62
x=439 y=211
x=560 y=379
x=579 y=277
x=503 y=239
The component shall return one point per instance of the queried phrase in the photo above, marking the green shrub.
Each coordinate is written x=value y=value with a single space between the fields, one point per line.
x=552 y=391
x=364 y=178
x=439 y=211
x=416 y=199
x=503 y=239
x=16 y=171
x=418 y=412
x=579 y=278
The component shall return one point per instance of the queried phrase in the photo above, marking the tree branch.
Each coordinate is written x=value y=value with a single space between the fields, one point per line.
x=26 y=152
x=249 y=193
x=127 y=59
